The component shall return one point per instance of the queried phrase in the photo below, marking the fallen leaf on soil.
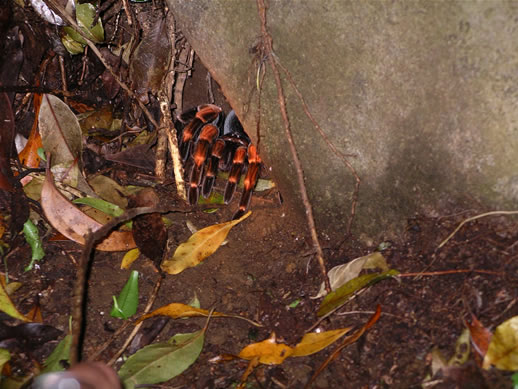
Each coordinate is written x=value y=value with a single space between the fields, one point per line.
x=199 y=246
x=7 y=306
x=340 y=296
x=503 y=349
x=74 y=224
x=160 y=362
x=480 y=335
x=130 y=257
x=346 y=342
x=61 y=353
x=314 y=342
x=178 y=310
x=341 y=274
x=269 y=352
x=126 y=304
x=32 y=236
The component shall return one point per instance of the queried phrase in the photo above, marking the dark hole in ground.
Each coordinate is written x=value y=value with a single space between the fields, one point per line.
x=264 y=268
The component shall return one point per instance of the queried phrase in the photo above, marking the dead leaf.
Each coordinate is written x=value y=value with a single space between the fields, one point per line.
x=503 y=349
x=480 y=335
x=268 y=352
x=178 y=310
x=29 y=155
x=341 y=274
x=314 y=342
x=199 y=246
x=74 y=224
x=150 y=61
x=61 y=137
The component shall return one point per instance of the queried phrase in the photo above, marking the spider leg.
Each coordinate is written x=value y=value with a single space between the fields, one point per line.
x=212 y=168
x=206 y=114
x=254 y=167
x=208 y=133
x=235 y=173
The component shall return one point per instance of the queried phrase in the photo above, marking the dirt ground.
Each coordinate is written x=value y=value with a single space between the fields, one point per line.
x=268 y=264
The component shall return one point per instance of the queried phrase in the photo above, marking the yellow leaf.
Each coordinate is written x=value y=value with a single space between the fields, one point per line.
x=314 y=342
x=199 y=246
x=269 y=352
x=178 y=310
x=130 y=257
x=503 y=349
x=7 y=306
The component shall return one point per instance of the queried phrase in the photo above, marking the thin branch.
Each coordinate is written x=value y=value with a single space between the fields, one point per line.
x=268 y=47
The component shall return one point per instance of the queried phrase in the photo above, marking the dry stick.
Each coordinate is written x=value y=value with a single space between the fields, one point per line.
x=331 y=146
x=166 y=124
x=475 y=218
x=80 y=286
x=61 y=11
x=267 y=41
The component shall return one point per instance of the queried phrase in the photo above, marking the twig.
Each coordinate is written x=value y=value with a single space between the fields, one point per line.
x=446 y=272
x=268 y=47
x=475 y=218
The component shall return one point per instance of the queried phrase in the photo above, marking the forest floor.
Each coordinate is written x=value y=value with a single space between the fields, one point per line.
x=267 y=273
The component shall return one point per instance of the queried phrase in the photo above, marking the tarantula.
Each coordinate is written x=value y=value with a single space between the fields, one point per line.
x=215 y=143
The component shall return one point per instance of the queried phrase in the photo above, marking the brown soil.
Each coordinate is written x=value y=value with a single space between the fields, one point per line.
x=268 y=264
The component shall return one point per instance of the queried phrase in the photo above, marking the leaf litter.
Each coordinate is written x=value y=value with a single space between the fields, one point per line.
x=262 y=270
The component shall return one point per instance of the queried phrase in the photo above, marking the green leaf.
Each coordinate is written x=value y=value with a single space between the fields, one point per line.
x=85 y=15
x=127 y=302
x=101 y=205
x=340 y=296
x=5 y=356
x=30 y=231
x=60 y=353
x=162 y=361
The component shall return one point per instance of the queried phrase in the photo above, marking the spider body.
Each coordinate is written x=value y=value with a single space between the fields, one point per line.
x=211 y=144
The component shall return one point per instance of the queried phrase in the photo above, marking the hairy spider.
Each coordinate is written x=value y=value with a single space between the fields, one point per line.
x=211 y=143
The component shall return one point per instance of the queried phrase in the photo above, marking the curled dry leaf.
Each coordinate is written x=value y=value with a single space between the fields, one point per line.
x=199 y=246
x=74 y=224
x=341 y=274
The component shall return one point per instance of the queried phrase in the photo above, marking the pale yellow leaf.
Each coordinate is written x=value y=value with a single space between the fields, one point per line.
x=7 y=306
x=199 y=246
x=314 y=342
x=503 y=349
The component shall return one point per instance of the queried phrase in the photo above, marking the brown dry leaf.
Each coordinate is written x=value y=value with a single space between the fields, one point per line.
x=74 y=224
x=199 y=246
x=314 y=342
x=268 y=351
x=178 y=310
x=29 y=155
x=480 y=335
x=150 y=61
